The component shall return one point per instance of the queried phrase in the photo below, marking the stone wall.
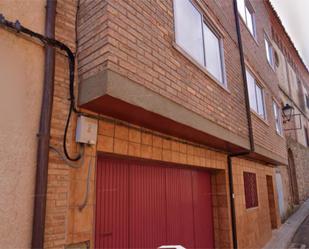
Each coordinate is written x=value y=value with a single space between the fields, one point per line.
x=301 y=161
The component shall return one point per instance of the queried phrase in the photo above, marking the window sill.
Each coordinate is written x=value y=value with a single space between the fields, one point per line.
x=259 y=117
x=204 y=70
x=271 y=66
x=252 y=208
x=280 y=135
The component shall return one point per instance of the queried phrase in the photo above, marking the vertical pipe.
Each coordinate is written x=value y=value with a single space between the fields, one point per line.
x=250 y=130
x=244 y=77
x=232 y=200
x=44 y=131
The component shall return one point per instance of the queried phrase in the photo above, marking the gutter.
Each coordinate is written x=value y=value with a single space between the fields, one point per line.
x=44 y=131
x=250 y=129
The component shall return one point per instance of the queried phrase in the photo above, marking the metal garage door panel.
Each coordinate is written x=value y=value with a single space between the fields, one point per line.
x=147 y=206
x=202 y=201
x=112 y=219
x=180 y=220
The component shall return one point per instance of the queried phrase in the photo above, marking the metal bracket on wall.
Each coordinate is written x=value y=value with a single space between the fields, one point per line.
x=300 y=123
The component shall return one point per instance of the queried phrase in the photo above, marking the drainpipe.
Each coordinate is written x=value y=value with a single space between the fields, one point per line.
x=250 y=130
x=44 y=131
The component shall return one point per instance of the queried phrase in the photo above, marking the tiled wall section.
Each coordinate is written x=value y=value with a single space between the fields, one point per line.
x=253 y=225
x=134 y=141
x=137 y=142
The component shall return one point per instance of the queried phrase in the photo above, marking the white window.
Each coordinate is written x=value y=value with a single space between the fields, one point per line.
x=246 y=12
x=278 y=120
x=198 y=39
x=212 y=53
x=269 y=52
x=256 y=96
x=188 y=29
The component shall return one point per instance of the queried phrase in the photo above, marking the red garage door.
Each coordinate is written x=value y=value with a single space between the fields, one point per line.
x=146 y=205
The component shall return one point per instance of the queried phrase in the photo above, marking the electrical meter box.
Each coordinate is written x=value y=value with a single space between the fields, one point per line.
x=86 y=130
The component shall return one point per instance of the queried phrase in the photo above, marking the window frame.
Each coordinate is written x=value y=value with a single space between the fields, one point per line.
x=253 y=202
x=248 y=6
x=306 y=135
x=271 y=47
x=217 y=33
x=260 y=86
x=278 y=119
x=307 y=100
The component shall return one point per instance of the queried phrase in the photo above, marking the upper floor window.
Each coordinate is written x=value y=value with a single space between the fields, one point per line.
x=246 y=12
x=256 y=95
x=306 y=136
x=307 y=100
x=198 y=39
x=269 y=52
x=251 y=195
x=278 y=120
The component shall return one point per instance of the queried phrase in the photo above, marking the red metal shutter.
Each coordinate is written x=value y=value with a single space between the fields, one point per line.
x=146 y=205
x=112 y=217
x=204 y=236
x=180 y=220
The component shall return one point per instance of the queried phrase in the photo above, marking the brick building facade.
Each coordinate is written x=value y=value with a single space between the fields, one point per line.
x=167 y=118
x=132 y=72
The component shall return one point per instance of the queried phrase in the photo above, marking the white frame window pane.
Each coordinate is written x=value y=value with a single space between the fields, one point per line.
x=249 y=21
x=260 y=100
x=213 y=56
x=251 y=91
x=256 y=95
x=277 y=118
x=188 y=29
x=241 y=8
x=269 y=52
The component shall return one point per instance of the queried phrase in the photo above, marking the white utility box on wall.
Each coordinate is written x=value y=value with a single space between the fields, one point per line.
x=86 y=130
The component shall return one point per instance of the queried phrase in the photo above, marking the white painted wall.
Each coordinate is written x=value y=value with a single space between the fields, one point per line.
x=21 y=80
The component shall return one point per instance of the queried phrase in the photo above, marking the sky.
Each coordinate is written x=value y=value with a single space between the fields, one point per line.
x=294 y=15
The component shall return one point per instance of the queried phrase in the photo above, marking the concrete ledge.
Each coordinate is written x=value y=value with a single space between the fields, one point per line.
x=111 y=94
x=265 y=154
x=110 y=86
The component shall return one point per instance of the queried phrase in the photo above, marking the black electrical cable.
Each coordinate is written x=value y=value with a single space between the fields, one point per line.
x=17 y=27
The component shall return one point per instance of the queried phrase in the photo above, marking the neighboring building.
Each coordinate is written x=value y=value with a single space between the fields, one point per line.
x=21 y=77
x=163 y=80
x=294 y=85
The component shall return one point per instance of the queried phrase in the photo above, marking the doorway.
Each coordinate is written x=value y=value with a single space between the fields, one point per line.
x=271 y=201
x=292 y=176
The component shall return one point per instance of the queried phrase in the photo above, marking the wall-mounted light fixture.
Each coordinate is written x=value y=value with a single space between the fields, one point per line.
x=287 y=112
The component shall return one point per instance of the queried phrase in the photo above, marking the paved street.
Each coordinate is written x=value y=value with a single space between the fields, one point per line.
x=293 y=231
x=301 y=237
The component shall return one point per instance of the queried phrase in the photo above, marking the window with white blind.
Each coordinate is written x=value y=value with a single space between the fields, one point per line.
x=198 y=39
x=269 y=52
x=246 y=12
x=278 y=119
x=256 y=95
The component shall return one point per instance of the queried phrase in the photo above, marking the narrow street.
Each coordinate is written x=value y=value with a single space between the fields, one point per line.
x=301 y=237
x=294 y=232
